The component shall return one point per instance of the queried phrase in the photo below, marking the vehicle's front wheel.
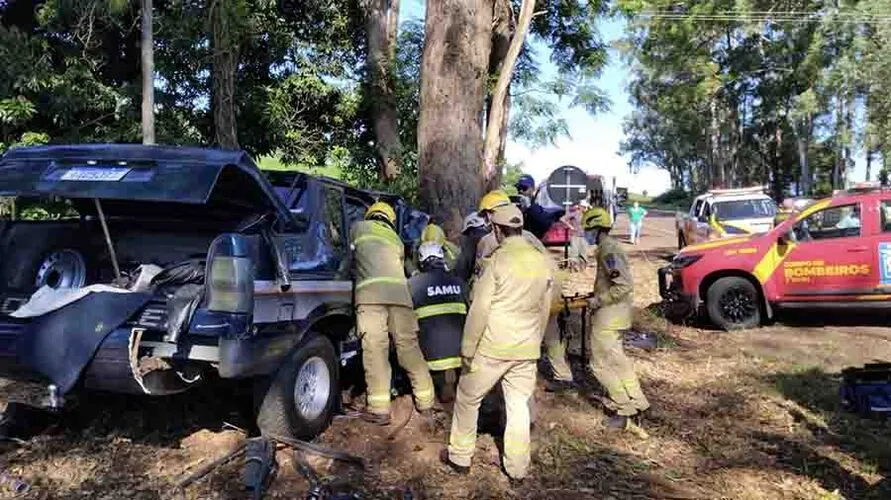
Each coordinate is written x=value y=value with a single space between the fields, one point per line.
x=300 y=402
x=733 y=304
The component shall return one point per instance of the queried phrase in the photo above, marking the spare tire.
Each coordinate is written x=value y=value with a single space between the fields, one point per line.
x=61 y=268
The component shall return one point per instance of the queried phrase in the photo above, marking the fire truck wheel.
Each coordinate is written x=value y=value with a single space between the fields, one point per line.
x=733 y=304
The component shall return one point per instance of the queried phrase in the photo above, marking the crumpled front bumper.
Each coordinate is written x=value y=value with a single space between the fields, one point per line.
x=676 y=304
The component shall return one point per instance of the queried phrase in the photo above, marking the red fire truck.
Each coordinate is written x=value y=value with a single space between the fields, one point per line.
x=835 y=253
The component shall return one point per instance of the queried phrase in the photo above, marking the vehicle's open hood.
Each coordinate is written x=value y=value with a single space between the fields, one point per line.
x=132 y=173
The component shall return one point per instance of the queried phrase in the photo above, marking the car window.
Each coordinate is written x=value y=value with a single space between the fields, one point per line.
x=696 y=207
x=706 y=212
x=335 y=223
x=835 y=222
x=745 y=209
x=355 y=211
x=886 y=216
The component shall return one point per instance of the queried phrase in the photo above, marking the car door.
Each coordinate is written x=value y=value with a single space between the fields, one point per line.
x=830 y=258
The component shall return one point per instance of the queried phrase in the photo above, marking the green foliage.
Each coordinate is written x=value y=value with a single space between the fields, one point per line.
x=71 y=73
x=674 y=197
x=510 y=174
x=754 y=98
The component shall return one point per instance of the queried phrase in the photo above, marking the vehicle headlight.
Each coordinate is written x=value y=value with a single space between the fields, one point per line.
x=682 y=261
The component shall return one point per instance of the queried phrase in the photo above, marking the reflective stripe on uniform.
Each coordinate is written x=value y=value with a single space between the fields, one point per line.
x=495 y=350
x=380 y=279
x=439 y=309
x=444 y=364
x=378 y=401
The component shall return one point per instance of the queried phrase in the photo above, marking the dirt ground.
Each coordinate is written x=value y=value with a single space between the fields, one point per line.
x=744 y=415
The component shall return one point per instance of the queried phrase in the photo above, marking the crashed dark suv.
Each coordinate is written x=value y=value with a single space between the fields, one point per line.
x=155 y=268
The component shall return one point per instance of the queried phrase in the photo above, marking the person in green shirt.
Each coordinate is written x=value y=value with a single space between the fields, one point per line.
x=636 y=215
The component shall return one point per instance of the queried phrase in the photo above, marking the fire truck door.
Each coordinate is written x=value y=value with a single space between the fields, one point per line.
x=832 y=258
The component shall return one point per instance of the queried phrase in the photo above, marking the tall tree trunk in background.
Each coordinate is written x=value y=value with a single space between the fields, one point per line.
x=803 y=133
x=381 y=27
x=225 y=60
x=497 y=116
x=849 y=132
x=869 y=153
x=453 y=91
x=503 y=27
x=779 y=183
x=392 y=29
x=148 y=72
x=714 y=147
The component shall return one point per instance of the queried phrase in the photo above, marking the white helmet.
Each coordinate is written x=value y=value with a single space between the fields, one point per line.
x=472 y=221
x=430 y=250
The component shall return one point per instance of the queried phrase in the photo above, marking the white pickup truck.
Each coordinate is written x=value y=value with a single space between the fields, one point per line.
x=724 y=213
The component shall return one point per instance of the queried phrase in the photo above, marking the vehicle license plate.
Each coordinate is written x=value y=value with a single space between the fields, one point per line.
x=95 y=174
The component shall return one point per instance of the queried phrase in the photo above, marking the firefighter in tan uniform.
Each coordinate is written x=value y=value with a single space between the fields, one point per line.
x=502 y=341
x=488 y=204
x=611 y=312
x=384 y=308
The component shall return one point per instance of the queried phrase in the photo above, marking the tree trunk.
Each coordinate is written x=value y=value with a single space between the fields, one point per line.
x=453 y=90
x=803 y=135
x=148 y=72
x=381 y=22
x=498 y=111
x=225 y=60
x=869 y=154
x=779 y=183
x=503 y=26
x=392 y=29
x=849 y=130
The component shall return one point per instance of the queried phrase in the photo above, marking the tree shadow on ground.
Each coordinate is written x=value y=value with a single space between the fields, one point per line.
x=819 y=318
x=114 y=443
x=161 y=421
x=867 y=439
x=732 y=426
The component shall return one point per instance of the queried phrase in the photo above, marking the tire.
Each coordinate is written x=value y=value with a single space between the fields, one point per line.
x=301 y=399
x=27 y=263
x=733 y=303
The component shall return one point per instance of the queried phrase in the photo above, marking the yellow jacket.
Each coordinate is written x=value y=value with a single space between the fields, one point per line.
x=378 y=255
x=511 y=304
x=614 y=287
x=489 y=243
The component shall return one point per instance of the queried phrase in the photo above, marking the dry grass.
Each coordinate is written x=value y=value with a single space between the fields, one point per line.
x=748 y=415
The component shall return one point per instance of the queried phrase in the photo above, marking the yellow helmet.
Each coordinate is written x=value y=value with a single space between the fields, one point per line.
x=596 y=217
x=433 y=233
x=493 y=200
x=381 y=208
